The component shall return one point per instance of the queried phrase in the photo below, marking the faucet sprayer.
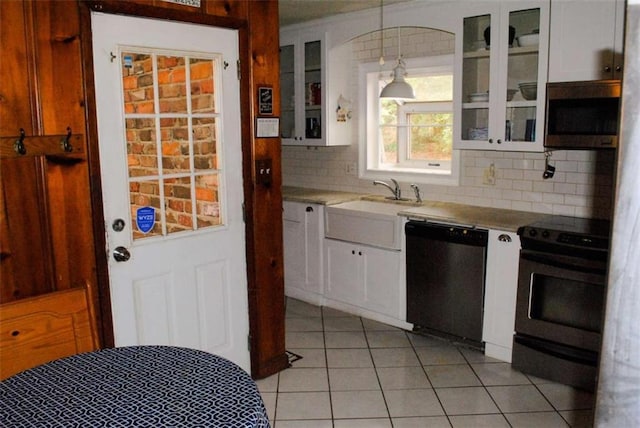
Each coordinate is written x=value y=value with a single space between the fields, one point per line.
x=416 y=190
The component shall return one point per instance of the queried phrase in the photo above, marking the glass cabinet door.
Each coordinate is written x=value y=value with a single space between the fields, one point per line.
x=302 y=92
x=287 y=92
x=522 y=76
x=313 y=90
x=476 y=72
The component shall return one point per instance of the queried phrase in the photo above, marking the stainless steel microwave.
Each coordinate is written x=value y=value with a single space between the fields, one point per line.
x=582 y=115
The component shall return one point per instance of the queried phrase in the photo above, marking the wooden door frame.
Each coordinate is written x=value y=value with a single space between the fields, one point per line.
x=276 y=363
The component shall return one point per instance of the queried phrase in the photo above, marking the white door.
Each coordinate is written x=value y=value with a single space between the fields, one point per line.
x=169 y=134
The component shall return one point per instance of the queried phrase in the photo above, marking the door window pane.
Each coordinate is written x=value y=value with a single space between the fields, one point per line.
x=142 y=151
x=208 y=200
x=172 y=86
x=178 y=206
x=205 y=148
x=137 y=83
x=144 y=195
x=175 y=145
x=202 y=86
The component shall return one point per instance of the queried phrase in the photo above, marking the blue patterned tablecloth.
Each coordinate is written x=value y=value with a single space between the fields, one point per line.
x=138 y=386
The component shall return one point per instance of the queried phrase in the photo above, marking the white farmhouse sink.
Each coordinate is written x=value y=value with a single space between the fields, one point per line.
x=365 y=222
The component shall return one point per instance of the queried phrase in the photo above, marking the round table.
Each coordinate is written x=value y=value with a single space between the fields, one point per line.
x=142 y=386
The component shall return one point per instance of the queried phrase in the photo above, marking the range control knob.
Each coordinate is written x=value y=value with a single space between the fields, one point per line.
x=545 y=233
x=533 y=232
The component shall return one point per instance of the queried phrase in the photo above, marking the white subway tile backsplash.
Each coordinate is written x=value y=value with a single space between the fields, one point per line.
x=522 y=185
x=552 y=198
x=532 y=196
x=565 y=188
x=513 y=174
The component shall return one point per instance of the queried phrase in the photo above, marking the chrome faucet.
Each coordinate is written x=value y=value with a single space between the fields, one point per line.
x=416 y=190
x=397 y=192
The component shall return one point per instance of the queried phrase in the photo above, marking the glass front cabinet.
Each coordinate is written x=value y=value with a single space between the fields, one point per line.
x=501 y=75
x=302 y=92
x=312 y=81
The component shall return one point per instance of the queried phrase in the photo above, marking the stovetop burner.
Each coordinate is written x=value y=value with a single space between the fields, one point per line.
x=567 y=235
x=576 y=225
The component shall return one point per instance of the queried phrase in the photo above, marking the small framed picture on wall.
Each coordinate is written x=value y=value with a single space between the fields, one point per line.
x=265 y=100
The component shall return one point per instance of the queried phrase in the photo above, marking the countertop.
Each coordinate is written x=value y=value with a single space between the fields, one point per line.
x=448 y=212
x=317 y=196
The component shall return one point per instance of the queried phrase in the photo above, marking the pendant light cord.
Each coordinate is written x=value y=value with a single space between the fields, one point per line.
x=399 y=50
x=381 y=60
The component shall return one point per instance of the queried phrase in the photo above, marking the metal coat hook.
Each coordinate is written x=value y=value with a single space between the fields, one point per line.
x=18 y=146
x=549 y=169
x=66 y=142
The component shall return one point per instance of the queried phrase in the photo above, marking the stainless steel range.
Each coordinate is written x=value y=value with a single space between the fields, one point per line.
x=560 y=303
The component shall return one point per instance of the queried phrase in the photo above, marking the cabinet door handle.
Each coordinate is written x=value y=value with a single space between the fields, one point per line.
x=309 y=209
x=504 y=238
x=353 y=252
x=499 y=141
x=618 y=68
x=490 y=140
x=359 y=253
x=607 y=68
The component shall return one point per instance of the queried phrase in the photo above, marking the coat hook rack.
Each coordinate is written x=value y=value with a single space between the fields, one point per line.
x=66 y=142
x=18 y=146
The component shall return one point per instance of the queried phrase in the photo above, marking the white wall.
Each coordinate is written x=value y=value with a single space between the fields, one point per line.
x=582 y=185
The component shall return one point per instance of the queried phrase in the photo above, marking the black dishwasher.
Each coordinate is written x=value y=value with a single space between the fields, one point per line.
x=445 y=279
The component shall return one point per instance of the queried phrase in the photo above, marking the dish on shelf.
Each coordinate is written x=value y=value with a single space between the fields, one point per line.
x=528 y=39
x=529 y=90
x=478 y=97
x=478 y=133
x=511 y=93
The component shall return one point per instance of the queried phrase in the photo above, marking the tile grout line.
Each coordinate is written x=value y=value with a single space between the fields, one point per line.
x=373 y=363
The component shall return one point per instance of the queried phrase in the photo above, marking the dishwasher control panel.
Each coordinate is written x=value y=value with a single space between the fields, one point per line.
x=466 y=235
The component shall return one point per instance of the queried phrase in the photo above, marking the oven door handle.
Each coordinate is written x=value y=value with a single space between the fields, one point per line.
x=561 y=262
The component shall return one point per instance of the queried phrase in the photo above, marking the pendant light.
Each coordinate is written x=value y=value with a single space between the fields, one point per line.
x=398 y=88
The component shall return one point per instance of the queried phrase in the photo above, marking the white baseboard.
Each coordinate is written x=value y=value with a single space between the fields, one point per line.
x=498 y=352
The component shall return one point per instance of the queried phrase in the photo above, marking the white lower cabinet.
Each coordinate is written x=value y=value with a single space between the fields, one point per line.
x=503 y=252
x=303 y=230
x=366 y=277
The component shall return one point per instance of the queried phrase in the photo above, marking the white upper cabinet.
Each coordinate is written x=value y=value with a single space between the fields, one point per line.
x=586 y=40
x=495 y=112
x=305 y=91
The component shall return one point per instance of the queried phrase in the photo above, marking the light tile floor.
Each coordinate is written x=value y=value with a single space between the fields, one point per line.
x=356 y=372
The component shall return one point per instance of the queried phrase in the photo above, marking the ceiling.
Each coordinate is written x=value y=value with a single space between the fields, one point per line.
x=296 y=11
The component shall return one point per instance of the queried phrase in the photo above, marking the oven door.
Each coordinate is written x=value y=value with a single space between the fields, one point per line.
x=561 y=299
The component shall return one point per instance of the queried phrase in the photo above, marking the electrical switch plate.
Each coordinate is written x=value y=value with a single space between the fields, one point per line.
x=350 y=168
x=264 y=172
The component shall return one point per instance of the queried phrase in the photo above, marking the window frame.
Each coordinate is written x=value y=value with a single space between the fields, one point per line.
x=369 y=74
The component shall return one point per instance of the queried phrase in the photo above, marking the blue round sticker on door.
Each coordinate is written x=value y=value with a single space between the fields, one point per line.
x=145 y=219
